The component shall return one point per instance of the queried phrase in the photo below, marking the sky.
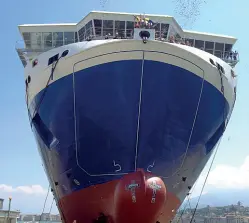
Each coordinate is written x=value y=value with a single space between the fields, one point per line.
x=22 y=175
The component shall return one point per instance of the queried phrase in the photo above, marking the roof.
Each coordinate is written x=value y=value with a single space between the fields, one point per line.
x=49 y=24
x=128 y=13
x=54 y=27
x=209 y=34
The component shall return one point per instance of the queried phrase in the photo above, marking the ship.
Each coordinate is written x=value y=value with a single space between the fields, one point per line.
x=126 y=110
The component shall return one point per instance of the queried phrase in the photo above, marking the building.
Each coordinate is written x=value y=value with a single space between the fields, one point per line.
x=55 y=217
x=45 y=217
x=7 y=216
x=216 y=219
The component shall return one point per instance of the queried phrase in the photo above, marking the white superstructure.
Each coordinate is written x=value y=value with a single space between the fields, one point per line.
x=38 y=38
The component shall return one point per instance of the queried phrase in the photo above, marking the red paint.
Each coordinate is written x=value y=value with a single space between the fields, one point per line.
x=115 y=201
x=134 y=197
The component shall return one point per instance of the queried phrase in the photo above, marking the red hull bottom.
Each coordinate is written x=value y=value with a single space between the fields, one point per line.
x=137 y=197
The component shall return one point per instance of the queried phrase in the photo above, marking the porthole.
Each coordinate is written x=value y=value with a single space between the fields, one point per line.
x=211 y=61
x=64 y=53
x=29 y=79
x=222 y=69
x=35 y=62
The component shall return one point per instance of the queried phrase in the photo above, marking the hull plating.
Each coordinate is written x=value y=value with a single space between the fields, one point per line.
x=100 y=123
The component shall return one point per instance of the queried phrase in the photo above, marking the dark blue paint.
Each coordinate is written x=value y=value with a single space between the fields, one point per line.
x=107 y=109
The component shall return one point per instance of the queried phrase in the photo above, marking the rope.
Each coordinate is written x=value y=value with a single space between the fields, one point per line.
x=186 y=204
x=45 y=89
x=225 y=123
x=139 y=112
x=191 y=132
x=189 y=205
x=184 y=209
x=209 y=170
x=51 y=206
x=44 y=205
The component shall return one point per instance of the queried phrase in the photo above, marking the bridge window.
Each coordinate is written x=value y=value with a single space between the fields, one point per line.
x=76 y=37
x=57 y=39
x=228 y=47
x=209 y=47
x=129 y=29
x=219 y=48
x=27 y=39
x=199 y=44
x=82 y=32
x=108 y=27
x=47 y=40
x=157 y=29
x=178 y=37
x=189 y=42
x=98 y=27
x=120 y=28
x=89 y=29
x=164 y=30
x=36 y=40
x=68 y=37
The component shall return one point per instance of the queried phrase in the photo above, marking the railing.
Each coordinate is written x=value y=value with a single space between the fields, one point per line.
x=28 y=49
x=40 y=46
x=229 y=57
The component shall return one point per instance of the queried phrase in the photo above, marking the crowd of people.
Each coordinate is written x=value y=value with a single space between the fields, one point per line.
x=230 y=55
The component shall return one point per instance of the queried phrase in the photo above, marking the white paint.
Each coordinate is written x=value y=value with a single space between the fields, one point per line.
x=117 y=51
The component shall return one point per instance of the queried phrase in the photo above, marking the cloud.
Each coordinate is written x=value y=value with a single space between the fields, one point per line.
x=229 y=177
x=33 y=189
x=24 y=198
x=223 y=177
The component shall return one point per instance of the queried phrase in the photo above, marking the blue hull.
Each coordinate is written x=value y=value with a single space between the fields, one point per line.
x=111 y=119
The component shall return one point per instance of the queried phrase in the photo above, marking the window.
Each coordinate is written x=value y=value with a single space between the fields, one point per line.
x=164 y=30
x=108 y=27
x=57 y=39
x=82 y=34
x=199 y=44
x=129 y=29
x=157 y=30
x=98 y=26
x=76 y=37
x=27 y=39
x=228 y=47
x=68 y=37
x=36 y=40
x=219 y=48
x=209 y=47
x=119 y=28
x=189 y=42
x=47 y=40
x=178 y=37
x=89 y=29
